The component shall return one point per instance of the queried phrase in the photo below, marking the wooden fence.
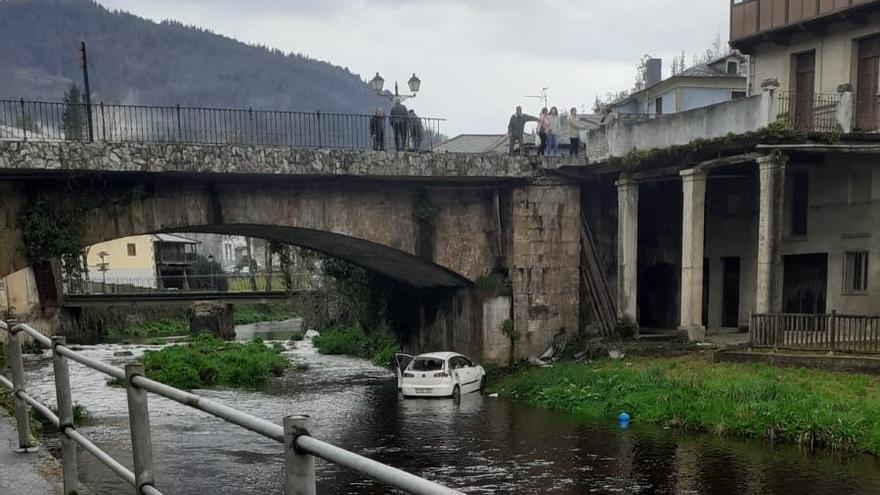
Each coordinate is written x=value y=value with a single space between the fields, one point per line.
x=820 y=332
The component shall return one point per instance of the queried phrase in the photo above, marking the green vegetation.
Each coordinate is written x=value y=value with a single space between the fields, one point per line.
x=492 y=285
x=806 y=407
x=164 y=327
x=208 y=361
x=378 y=346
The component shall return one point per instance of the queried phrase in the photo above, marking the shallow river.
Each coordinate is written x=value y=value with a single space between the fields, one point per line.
x=481 y=445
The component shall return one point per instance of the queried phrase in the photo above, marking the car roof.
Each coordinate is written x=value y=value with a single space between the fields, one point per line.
x=438 y=355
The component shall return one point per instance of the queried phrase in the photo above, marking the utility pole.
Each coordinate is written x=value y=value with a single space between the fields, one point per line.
x=84 y=65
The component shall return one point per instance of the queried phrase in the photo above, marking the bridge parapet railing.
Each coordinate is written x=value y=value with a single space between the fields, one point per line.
x=217 y=282
x=59 y=121
x=300 y=447
x=816 y=332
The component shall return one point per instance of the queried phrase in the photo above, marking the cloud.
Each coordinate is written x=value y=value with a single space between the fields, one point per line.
x=477 y=58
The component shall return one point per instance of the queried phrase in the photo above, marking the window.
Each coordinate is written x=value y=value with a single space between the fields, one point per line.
x=737 y=95
x=658 y=106
x=860 y=186
x=426 y=364
x=855 y=272
x=132 y=249
x=732 y=68
x=800 y=202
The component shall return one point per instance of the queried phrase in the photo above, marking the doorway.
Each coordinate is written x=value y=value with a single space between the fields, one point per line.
x=804 y=89
x=805 y=283
x=867 y=83
x=730 y=293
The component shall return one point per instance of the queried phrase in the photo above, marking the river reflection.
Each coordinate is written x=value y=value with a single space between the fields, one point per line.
x=481 y=445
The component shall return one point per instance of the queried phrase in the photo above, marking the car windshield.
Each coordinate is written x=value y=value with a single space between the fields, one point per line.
x=427 y=364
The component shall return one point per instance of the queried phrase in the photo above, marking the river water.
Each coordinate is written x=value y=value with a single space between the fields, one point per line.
x=482 y=445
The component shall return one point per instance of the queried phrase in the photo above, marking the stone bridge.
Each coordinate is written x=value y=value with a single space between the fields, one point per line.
x=434 y=222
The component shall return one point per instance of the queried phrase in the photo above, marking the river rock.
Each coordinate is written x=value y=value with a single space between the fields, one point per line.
x=213 y=318
x=123 y=353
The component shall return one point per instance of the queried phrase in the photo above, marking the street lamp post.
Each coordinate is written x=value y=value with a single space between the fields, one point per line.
x=414 y=83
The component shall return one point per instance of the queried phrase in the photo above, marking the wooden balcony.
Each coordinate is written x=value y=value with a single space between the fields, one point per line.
x=752 y=21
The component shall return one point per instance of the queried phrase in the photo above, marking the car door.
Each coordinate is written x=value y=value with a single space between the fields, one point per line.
x=470 y=372
x=403 y=361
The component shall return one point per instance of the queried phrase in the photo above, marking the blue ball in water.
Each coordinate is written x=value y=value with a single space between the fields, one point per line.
x=623 y=418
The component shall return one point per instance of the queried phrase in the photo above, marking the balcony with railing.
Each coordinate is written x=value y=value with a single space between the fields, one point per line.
x=817 y=113
x=753 y=20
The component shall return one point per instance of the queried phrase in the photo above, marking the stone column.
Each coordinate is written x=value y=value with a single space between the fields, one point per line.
x=770 y=224
x=627 y=248
x=693 y=218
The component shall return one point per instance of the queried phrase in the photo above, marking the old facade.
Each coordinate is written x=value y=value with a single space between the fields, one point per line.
x=783 y=216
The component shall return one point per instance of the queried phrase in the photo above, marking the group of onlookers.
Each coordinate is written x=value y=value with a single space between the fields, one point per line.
x=405 y=125
x=550 y=130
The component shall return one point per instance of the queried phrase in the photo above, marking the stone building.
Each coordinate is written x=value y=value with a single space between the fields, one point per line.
x=762 y=205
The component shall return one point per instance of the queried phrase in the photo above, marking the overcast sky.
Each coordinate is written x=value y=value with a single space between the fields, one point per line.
x=477 y=59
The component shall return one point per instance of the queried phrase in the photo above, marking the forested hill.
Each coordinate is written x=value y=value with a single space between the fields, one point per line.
x=137 y=61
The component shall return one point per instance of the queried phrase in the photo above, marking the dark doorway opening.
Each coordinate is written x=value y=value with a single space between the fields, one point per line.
x=658 y=296
x=730 y=293
x=805 y=283
x=705 y=308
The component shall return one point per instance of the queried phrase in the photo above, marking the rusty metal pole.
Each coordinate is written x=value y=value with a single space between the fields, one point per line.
x=25 y=439
x=65 y=416
x=299 y=467
x=139 y=421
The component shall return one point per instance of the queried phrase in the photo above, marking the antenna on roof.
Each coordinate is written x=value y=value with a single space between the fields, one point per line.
x=542 y=97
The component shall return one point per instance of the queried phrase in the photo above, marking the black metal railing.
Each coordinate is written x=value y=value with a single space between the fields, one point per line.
x=58 y=121
x=217 y=282
x=815 y=112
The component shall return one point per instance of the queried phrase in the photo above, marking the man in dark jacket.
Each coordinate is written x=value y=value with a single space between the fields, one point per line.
x=399 y=117
x=377 y=130
x=415 y=130
x=516 y=127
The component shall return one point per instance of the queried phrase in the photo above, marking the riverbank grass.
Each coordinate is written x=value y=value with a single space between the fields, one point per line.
x=807 y=407
x=207 y=361
x=379 y=346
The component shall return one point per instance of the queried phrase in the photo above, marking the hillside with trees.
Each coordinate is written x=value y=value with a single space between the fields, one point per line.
x=137 y=61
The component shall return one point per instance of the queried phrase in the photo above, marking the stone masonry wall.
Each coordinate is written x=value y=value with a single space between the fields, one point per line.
x=231 y=159
x=545 y=263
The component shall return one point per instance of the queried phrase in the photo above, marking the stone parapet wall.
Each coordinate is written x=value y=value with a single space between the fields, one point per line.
x=232 y=159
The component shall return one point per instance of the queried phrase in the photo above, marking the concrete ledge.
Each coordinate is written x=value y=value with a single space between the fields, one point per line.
x=828 y=362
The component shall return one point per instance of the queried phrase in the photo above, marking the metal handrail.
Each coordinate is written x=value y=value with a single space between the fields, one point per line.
x=300 y=446
x=59 y=121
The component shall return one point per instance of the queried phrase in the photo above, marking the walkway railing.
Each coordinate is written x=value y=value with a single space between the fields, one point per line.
x=813 y=113
x=218 y=282
x=57 y=121
x=300 y=448
x=821 y=332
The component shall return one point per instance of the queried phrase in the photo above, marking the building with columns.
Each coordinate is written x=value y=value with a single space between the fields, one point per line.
x=764 y=205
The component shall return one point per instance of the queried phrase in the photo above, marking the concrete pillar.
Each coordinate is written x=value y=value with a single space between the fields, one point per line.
x=627 y=248
x=770 y=224
x=769 y=109
x=845 y=110
x=693 y=219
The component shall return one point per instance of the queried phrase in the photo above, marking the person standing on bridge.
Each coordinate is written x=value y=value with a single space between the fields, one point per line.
x=543 y=129
x=415 y=130
x=574 y=133
x=399 y=118
x=377 y=130
x=516 y=128
x=553 y=134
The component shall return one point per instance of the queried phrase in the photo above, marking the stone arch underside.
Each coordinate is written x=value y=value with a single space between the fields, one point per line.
x=371 y=225
x=389 y=262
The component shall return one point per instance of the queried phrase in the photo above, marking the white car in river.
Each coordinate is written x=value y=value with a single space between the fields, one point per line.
x=439 y=374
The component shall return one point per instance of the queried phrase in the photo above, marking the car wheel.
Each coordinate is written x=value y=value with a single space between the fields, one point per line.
x=456 y=394
x=483 y=385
